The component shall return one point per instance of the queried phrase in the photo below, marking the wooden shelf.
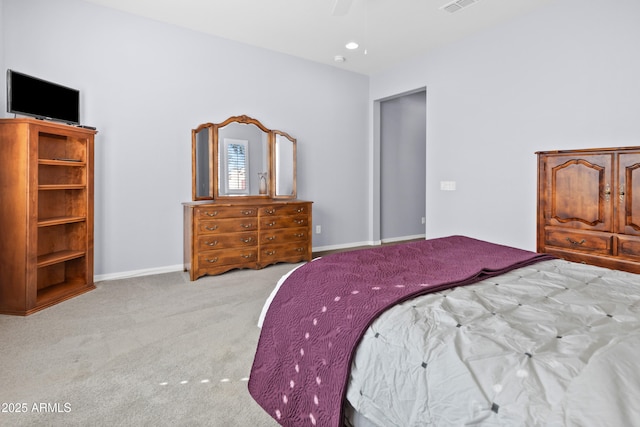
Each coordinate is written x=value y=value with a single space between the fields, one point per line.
x=61 y=187
x=58 y=257
x=48 y=222
x=60 y=292
x=60 y=162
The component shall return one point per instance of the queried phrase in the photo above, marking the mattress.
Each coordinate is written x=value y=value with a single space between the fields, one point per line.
x=555 y=343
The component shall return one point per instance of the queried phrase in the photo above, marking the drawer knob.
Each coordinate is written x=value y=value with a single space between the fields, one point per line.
x=270 y=211
x=211 y=227
x=214 y=213
x=247 y=225
x=212 y=260
x=247 y=256
x=272 y=238
x=300 y=249
x=576 y=243
x=215 y=242
x=299 y=235
x=300 y=210
x=247 y=240
x=271 y=224
x=270 y=252
x=247 y=212
x=299 y=221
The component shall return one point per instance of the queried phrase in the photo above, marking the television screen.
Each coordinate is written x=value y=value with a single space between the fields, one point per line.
x=42 y=99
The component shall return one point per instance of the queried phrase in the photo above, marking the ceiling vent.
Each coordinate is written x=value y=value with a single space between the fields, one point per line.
x=457 y=5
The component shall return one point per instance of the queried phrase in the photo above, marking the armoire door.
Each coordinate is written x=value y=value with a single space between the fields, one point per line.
x=628 y=202
x=579 y=191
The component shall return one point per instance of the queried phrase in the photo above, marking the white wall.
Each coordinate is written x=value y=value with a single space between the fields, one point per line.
x=565 y=76
x=146 y=84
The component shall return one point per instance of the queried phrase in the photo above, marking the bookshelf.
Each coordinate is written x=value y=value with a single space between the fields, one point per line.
x=46 y=214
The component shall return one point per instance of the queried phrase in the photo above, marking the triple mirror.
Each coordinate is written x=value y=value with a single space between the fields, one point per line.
x=241 y=158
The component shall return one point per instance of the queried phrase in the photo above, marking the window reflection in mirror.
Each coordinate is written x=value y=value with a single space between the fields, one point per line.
x=242 y=157
x=235 y=157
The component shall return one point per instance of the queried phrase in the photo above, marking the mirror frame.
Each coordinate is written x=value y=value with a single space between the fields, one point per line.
x=213 y=152
x=194 y=161
x=294 y=166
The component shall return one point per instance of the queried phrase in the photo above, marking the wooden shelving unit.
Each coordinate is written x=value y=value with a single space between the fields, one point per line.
x=46 y=213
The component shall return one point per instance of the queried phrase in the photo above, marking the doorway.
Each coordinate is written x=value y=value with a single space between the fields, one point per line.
x=402 y=166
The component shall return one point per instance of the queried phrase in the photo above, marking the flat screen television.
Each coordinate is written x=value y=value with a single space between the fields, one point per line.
x=39 y=98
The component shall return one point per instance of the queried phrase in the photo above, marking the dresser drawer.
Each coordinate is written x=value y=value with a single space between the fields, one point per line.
x=268 y=223
x=296 y=209
x=211 y=212
x=276 y=253
x=233 y=240
x=248 y=256
x=629 y=247
x=600 y=243
x=229 y=225
x=284 y=235
x=219 y=237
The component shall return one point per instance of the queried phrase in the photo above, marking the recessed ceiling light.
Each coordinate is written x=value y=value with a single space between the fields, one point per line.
x=351 y=45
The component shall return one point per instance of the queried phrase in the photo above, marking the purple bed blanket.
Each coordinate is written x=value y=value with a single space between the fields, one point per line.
x=301 y=367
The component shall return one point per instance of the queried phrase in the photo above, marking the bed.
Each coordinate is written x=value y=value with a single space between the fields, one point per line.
x=451 y=331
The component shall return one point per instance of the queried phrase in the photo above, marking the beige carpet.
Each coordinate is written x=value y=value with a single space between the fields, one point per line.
x=150 y=351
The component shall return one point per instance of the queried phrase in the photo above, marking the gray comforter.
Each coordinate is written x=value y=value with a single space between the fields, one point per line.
x=552 y=344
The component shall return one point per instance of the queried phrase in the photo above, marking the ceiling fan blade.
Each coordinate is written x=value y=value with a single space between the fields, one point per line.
x=341 y=7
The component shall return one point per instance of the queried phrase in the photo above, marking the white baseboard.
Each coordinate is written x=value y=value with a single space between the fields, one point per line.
x=180 y=267
x=138 y=273
x=367 y=243
x=403 y=238
x=342 y=246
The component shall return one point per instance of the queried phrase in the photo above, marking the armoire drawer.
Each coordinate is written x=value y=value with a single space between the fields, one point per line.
x=629 y=247
x=601 y=243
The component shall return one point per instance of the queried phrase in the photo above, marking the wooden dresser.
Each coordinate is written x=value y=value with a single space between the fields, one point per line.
x=587 y=207
x=221 y=235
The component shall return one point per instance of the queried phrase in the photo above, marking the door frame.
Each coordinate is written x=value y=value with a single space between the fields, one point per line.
x=376 y=207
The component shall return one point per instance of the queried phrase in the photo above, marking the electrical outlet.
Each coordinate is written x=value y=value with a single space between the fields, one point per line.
x=318 y=229
x=424 y=220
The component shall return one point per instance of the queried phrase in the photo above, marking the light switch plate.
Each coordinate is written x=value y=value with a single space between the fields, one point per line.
x=448 y=185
